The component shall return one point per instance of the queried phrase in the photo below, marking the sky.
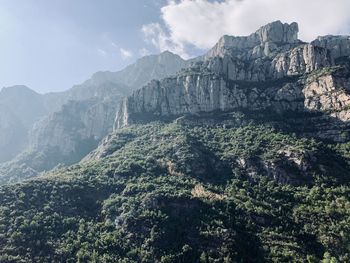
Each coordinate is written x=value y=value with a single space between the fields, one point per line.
x=51 y=45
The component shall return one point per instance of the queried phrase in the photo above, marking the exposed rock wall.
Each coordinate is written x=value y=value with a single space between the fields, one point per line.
x=75 y=123
x=339 y=46
x=275 y=32
x=300 y=60
x=42 y=131
x=269 y=69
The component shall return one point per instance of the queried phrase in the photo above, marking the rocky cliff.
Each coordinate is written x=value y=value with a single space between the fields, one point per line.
x=265 y=39
x=269 y=70
x=339 y=46
x=88 y=110
x=104 y=84
x=231 y=175
x=74 y=121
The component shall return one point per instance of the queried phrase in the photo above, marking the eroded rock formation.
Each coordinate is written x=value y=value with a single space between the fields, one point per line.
x=268 y=70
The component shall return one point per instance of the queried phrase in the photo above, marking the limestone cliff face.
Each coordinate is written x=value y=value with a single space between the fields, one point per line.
x=196 y=93
x=77 y=122
x=193 y=93
x=300 y=60
x=339 y=46
x=329 y=92
x=73 y=121
x=261 y=42
x=270 y=53
x=268 y=70
x=297 y=61
x=86 y=113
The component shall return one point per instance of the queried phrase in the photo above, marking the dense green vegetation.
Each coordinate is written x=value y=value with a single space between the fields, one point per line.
x=177 y=193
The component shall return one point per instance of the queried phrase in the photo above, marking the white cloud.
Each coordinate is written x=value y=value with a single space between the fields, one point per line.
x=202 y=22
x=157 y=36
x=101 y=52
x=125 y=53
x=114 y=44
x=144 y=52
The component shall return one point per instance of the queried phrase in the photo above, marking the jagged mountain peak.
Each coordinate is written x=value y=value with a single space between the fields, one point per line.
x=269 y=69
x=151 y=67
x=278 y=32
x=203 y=182
x=103 y=75
x=79 y=117
x=272 y=34
x=143 y=70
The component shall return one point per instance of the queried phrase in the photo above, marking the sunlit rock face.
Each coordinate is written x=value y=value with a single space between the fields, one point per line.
x=260 y=43
x=269 y=69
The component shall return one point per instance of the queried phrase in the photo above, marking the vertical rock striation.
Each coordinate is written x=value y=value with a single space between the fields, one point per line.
x=269 y=69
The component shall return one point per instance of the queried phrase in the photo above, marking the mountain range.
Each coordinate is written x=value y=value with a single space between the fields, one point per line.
x=240 y=155
x=61 y=128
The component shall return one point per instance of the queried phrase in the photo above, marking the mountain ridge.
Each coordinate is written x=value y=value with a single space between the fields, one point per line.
x=80 y=116
x=235 y=76
x=241 y=157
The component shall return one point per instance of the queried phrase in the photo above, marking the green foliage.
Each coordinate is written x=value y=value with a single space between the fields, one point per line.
x=176 y=193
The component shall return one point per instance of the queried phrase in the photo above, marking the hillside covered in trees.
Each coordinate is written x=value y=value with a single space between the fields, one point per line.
x=181 y=193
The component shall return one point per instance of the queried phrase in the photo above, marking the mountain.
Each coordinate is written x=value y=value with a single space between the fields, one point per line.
x=103 y=83
x=243 y=156
x=20 y=108
x=253 y=73
x=152 y=67
x=80 y=117
x=256 y=74
x=25 y=103
x=186 y=193
x=12 y=134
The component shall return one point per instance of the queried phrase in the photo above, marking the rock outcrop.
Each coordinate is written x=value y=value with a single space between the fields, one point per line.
x=269 y=70
x=105 y=84
x=88 y=110
x=78 y=122
x=339 y=46
x=261 y=42
x=328 y=92
x=61 y=128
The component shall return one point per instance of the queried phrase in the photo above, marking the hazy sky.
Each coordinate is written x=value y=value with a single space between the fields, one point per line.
x=52 y=44
x=49 y=45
